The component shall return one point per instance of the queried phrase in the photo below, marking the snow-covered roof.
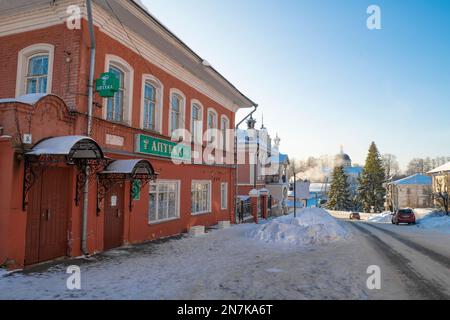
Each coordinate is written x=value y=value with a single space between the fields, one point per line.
x=31 y=98
x=58 y=145
x=125 y=166
x=414 y=179
x=444 y=168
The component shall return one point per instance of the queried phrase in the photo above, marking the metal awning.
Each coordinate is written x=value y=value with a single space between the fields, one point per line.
x=74 y=147
x=130 y=167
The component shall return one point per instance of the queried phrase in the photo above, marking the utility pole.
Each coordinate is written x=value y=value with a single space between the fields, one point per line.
x=295 y=193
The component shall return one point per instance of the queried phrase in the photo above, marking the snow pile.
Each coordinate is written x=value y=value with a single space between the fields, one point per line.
x=385 y=217
x=438 y=221
x=312 y=226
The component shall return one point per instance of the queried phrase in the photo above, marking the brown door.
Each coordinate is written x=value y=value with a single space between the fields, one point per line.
x=114 y=205
x=47 y=220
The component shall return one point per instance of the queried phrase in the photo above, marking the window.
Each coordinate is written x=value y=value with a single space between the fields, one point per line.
x=212 y=125
x=201 y=197
x=197 y=122
x=119 y=107
x=224 y=195
x=149 y=106
x=224 y=125
x=115 y=104
x=35 y=69
x=177 y=106
x=164 y=201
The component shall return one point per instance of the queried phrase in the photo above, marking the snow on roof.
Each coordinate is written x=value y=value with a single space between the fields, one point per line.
x=57 y=146
x=31 y=98
x=414 y=179
x=444 y=168
x=122 y=166
x=319 y=187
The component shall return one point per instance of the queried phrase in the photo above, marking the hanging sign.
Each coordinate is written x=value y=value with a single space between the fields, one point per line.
x=107 y=85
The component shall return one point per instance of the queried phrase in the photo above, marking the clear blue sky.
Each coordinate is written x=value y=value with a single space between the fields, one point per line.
x=322 y=78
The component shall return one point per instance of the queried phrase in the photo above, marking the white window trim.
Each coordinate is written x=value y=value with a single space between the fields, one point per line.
x=22 y=65
x=224 y=117
x=202 y=110
x=226 y=196
x=209 y=211
x=207 y=125
x=178 y=204
x=159 y=101
x=183 y=110
x=128 y=86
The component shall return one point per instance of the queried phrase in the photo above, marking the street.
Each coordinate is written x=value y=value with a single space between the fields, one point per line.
x=227 y=264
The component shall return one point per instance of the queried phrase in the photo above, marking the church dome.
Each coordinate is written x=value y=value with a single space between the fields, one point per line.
x=342 y=159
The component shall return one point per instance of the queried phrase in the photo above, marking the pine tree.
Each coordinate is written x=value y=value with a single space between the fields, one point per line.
x=371 y=192
x=339 y=196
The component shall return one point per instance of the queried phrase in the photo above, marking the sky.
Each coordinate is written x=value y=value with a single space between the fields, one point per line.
x=321 y=78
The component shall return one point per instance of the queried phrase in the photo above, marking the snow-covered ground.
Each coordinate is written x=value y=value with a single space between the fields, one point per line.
x=385 y=217
x=311 y=226
x=224 y=264
x=437 y=221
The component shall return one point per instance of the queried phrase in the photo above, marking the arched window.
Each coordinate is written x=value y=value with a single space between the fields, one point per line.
x=35 y=69
x=197 y=122
x=212 y=125
x=119 y=107
x=177 y=107
x=224 y=126
x=152 y=99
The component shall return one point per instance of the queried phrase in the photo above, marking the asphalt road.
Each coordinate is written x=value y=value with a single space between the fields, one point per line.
x=420 y=260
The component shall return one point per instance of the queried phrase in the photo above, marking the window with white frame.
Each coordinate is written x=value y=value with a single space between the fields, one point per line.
x=164 y=201
x=177 y=107
x=119 y=107
x=197 y=122
x=212 y=125
x=35 y=69
x=114 y=110
x=201 y=197
x=224 y=126
x=224 y=195
x=149 y=106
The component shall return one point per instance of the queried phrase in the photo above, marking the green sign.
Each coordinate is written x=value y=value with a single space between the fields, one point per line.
x=107 y=85
x=162 y=148
x=136 y=190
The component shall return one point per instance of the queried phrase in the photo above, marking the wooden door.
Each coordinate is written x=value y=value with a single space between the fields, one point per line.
x=47 y=220
x=113 y=226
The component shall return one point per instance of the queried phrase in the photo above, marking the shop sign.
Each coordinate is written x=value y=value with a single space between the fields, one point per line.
x=162 y=148
x=107 y=85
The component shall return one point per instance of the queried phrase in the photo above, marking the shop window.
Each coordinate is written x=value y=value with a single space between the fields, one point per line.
x=119 y=107
x=201 y=197
x=35 y=69
x=224 y=196
x=164 y=204
x=197 y=122
x=152 y=102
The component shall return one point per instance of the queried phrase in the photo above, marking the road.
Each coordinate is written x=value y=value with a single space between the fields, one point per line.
x=419 y=259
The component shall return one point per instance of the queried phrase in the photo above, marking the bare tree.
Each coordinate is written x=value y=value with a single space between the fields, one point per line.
x=390 y=164
x=440 y=195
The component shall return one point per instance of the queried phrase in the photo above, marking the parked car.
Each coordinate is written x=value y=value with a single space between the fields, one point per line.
x=404 y=216
x=355 y=216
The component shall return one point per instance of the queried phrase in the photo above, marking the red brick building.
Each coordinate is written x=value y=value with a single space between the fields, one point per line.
x=135 y=191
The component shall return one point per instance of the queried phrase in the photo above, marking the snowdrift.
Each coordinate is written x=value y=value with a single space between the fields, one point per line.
x=435 y=221
x=312 y=226
x=385 y=217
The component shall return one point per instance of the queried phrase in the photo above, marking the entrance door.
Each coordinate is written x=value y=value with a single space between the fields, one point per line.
x=47 y=220
x=114 y=205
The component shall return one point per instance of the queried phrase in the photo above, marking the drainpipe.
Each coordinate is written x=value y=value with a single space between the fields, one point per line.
x=89 y=126
x=235 y=160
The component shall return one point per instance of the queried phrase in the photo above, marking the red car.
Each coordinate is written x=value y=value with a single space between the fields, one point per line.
x=355 y=216
x=404 y=216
